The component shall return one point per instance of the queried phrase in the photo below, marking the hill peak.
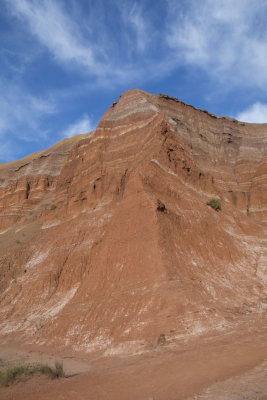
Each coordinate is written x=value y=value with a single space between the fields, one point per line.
x=113 y=238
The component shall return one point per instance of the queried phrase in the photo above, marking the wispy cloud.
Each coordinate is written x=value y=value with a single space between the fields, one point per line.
x=228 y=39
x=55 y=29
x=112 y=52
x=133 y=18
x=18 y=108
x=72 y=46
x=257 y=113
x=7 y=151
x=21 y=119
x=83 y=125
x=139 y=24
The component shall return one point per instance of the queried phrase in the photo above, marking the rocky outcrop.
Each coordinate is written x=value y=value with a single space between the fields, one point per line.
x=26 y=183
x=112 y=246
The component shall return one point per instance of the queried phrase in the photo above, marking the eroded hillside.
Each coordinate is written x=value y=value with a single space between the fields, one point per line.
x=108 y=243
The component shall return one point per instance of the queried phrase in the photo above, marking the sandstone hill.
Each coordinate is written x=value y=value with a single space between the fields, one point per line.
x=107 y=241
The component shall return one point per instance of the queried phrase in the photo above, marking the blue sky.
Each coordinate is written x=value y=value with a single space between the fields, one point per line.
x=62 y=63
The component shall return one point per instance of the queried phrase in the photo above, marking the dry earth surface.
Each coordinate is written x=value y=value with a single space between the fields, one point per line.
x=231 y=365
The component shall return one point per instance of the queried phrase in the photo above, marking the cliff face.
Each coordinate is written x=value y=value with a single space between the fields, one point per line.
x=107 y=242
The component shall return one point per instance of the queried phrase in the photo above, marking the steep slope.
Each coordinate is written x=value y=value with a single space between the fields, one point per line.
x=31 y=178
x=115 y=248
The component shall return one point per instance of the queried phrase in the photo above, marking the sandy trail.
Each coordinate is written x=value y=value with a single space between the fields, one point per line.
x=229 y=365
x=251 y=385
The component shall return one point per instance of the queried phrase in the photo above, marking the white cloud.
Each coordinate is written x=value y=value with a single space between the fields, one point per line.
x=257 y=113
x=57 y=31
x=18 y=108
x=6 y=151
x=137 y=21
x=62 y=36
x=228 y=39
x=42 y=106
x=83 y=125
x=21 y=120
x=90 y=44
x=139 y=25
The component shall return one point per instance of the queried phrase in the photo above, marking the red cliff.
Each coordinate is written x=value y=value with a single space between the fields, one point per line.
x=107 y=241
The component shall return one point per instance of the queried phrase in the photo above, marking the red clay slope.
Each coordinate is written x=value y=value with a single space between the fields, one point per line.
x=114 y=247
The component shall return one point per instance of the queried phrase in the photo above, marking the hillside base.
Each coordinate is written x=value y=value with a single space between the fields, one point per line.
x=231 y=365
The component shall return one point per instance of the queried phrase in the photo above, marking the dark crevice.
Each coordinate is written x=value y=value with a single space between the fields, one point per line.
x=95 y=183
x=28 y=188
x=161 y=207
x=121 y=187
x=248 y=204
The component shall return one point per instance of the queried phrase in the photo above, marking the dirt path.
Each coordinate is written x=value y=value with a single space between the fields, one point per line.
x=251 y=385
x=231 y=366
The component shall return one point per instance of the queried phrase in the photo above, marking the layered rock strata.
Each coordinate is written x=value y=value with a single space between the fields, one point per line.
x=112 y=245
